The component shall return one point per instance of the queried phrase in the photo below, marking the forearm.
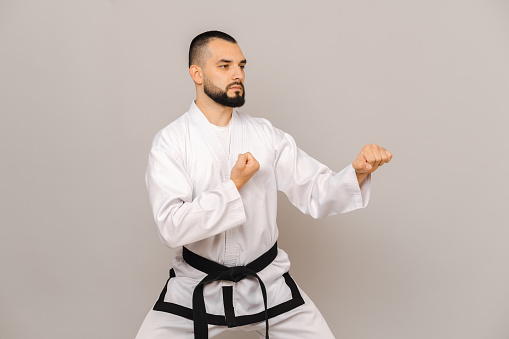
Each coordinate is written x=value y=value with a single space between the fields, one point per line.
x=181 y=216
x=210 y=213
x=361 y=177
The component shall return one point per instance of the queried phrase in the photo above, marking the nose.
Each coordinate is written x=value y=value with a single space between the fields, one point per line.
x=238 y=73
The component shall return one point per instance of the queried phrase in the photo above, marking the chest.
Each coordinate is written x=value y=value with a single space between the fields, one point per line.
x=209 y=162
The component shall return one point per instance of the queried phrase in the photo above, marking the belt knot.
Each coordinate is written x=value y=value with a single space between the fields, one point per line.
x=215 y=272
x=234 y=274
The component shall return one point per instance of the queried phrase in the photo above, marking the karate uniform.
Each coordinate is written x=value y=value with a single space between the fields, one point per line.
x=196 y=205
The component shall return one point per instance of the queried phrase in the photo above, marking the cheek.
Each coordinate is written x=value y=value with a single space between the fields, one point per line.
x=216 y=78
x=221 y=83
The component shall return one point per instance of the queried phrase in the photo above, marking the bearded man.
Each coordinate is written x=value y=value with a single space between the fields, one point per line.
x=212 y=178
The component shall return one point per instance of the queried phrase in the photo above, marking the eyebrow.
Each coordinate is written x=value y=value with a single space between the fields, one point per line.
x=220 y=61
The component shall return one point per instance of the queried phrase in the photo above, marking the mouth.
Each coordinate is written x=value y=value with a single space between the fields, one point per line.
x=236 y=87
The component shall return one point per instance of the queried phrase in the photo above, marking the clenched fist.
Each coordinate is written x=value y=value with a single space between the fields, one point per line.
x=369 y=159
x=245 y=167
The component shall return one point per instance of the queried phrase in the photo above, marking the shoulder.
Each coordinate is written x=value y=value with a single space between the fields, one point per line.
x=265 y=127
x=171 y=136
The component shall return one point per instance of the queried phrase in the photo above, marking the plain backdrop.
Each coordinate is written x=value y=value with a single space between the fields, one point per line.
x=86 y=84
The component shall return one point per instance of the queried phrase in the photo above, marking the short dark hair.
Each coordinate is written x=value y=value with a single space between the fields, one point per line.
x=199 y=45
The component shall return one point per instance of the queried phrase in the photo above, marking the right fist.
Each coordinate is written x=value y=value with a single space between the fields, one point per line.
x=245 y=167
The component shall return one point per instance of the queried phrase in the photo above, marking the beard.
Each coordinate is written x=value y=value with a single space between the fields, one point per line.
x=221 y=97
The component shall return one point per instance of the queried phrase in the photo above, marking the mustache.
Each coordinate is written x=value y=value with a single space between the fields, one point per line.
x=235 y=84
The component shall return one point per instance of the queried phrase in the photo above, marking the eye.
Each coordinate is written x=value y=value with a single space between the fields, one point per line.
x=242 y=66
x=223 y=66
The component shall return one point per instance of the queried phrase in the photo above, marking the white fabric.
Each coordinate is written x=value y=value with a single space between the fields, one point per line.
x=224 y=135
x=196 y=204
x=303 y=322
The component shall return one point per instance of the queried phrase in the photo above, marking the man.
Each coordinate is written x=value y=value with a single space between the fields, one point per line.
x=212 y=177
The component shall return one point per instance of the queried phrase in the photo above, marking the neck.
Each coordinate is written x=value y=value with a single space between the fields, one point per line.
x=215 y=113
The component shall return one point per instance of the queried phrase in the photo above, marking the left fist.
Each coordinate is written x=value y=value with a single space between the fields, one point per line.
x=370 y=158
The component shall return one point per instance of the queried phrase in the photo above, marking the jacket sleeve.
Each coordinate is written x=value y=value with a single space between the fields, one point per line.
x=312 y=187
x=181 y=219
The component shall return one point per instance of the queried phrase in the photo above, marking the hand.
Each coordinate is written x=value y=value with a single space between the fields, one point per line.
x=369 y=159
x=245 y=167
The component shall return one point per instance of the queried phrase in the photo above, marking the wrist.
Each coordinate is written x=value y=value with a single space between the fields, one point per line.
x=361 y=177
x=237 y=184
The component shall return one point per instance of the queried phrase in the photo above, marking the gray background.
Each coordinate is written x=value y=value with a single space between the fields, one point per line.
x=85 y=85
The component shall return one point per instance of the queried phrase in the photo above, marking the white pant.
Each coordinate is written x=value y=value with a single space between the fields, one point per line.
x=303 y=322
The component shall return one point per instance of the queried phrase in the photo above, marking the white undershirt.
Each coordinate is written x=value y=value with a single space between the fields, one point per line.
x=223 y=132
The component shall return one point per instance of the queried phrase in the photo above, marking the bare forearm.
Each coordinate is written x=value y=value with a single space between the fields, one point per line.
x=361 y=177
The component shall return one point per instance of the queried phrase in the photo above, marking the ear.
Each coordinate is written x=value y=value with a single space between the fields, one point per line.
x=196 y=74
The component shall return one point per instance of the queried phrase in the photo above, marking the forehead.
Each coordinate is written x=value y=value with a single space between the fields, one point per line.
x=221 y=49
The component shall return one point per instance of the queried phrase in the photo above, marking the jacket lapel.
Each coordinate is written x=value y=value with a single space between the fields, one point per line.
x=226 y=160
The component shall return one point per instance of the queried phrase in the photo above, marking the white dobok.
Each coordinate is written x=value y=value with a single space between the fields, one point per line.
x=196 y=205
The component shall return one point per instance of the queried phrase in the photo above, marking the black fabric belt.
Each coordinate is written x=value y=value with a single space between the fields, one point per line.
x=217 y=272
x=228 y=318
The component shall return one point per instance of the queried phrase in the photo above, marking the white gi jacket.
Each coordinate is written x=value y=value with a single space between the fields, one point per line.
x=197 y=205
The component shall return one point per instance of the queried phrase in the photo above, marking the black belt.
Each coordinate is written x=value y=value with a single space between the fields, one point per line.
x=216 y=272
